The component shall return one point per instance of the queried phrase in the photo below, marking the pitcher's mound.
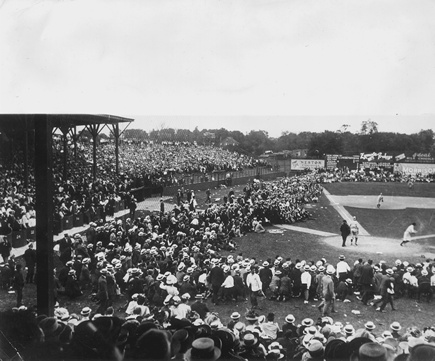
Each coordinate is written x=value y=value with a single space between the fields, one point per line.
x=380 y=245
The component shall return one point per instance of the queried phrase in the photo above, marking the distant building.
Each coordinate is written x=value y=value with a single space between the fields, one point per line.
x=296 y=153
x=229 y=142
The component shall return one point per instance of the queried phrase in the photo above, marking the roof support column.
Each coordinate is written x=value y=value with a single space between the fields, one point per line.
x=44 y=214
x=26 y=155
x=64 y=131
x=94 y=129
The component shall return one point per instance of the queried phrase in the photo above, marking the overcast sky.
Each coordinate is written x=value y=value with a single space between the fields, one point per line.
x=290 y=65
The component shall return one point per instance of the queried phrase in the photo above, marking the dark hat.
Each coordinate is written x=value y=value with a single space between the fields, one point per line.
x=423 y=352
x=315 y=348
x=203 y=349
x=354 y=345
x=332 y=349
x=180 y=341
x=51 y=327
x=251 y=316
x=372 y=352
x=161 y=347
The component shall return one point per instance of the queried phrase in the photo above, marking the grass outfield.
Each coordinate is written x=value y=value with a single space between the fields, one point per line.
x=298 y=245
x=388 y=189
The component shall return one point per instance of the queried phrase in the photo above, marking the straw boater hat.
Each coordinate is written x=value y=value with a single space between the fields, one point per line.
x=395 y=326
x=86 y=311
x=235 y=316
x=349 y=330
x=290 y=318
x=203 y=349
x=249 y=340
x=307 y=322
x=370 y=326
x=330 y=270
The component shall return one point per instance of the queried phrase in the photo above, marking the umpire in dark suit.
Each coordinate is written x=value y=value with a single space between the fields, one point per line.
x=345 y=231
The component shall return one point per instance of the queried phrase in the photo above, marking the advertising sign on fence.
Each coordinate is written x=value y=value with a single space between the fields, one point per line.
x=301 y=164
x=414 y=168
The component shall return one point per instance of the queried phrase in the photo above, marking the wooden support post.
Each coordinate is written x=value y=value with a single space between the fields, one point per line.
x=44 y=215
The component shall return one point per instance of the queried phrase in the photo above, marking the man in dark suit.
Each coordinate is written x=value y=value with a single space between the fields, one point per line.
x=366 y=281
x=102 y=294
x=345 y=231
x=30 y=259
x=217 y=277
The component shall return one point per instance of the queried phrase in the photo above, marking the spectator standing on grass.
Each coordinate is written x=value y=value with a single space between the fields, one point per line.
x=306 y=282
x=162 y=208
x=343 y=269
x=408 y=233
x=132 y=207
x=328 y=301
x=5 y=248
x=217 y=277
x=254 y=285
x=30 y=259
x=387 y=292
x=345 y=231
x=19 y=283
x=366 y=282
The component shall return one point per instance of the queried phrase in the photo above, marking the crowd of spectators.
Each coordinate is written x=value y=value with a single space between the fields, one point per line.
x=141 y=165
x=168 y=163
x=168 y=316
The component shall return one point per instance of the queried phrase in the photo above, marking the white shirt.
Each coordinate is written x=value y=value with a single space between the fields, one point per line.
x=253 y=282
x=180 y=311
x=229 y=282
x=342 y=267
x=408 y=233
x=306 y=278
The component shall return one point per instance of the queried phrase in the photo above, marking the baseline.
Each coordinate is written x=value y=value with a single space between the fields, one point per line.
x=344 y=213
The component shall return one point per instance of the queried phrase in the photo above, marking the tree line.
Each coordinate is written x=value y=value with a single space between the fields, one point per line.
x=256 y=142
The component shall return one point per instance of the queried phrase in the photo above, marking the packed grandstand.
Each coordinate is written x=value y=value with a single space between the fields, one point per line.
x=170 y=267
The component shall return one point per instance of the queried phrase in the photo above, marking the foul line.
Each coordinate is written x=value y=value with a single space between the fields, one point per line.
x=344 y=213
x=306 y=230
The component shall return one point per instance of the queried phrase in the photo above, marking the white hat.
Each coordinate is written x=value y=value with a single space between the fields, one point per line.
x=370 y=325
x=330 y=270
x=349 y=329
x=86 y=311
x=307 y=322
x=235 y=316
x=185 y=296
x=290 y=318
x=395 y=326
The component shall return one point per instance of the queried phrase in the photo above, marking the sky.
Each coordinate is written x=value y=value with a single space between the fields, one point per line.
x=290 y=65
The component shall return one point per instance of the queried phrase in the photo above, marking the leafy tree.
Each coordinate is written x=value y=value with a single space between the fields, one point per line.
x=326 y=143
x=369 y=127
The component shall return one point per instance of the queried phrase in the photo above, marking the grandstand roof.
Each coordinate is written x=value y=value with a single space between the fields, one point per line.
x=17 y=121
